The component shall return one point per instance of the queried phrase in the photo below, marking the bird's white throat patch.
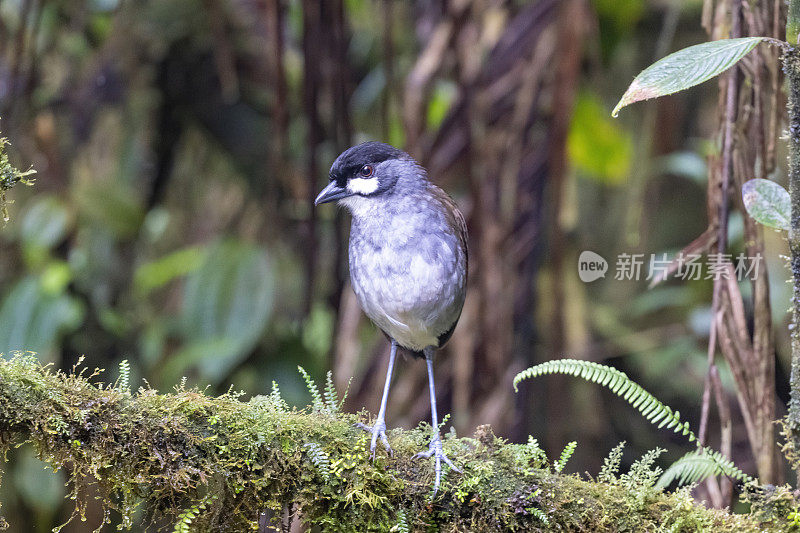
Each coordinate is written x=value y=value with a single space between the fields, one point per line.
x=362 y=185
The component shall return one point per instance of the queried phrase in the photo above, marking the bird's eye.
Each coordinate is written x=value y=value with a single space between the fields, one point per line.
x=366 y=171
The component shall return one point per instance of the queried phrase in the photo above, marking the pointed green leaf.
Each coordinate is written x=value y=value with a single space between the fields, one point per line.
x=768 y=203
x=33 y=318
x=686 y=68
x=227 y=303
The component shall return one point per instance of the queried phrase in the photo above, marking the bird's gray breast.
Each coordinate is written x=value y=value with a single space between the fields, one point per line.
x=408 y=270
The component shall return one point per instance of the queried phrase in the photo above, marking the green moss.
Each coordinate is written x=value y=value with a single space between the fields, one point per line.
x=9 y=176
x=217 y=464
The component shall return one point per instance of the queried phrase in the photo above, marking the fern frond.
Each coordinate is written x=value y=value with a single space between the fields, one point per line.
x=445 y=420
x=696 y=466
x=346 y=391
x=319 y=458
x=608 y=474
x=331 y=396
x=643 y=474
x=276 y=399
x=123 y=382
x=569 y=449
x=539 y=514
x=317 y=403
x=185 y=519
x=402 y=523
x=619 y=383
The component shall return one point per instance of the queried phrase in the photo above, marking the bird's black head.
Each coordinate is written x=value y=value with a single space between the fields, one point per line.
x=368 y=169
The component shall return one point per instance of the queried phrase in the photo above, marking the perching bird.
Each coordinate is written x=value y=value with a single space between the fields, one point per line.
x=408 y=260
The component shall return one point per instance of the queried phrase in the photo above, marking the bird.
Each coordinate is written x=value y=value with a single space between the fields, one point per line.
x=408 y=262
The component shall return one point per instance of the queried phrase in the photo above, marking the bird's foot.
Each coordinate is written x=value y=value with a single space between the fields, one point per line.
x=435 y=450
x=378 y=431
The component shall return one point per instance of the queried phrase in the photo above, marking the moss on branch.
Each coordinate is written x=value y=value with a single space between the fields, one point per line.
x=218 y=464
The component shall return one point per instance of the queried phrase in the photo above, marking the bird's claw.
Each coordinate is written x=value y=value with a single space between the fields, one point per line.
x=378 y=431
x=435 y=450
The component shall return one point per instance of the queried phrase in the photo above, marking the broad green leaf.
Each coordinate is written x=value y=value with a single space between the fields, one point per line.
x=442 y=98
x=33 y=319
x=686 y=68
x=768 y=203
x=45 y=223
x=112 y=205
x=156 y=274
x=597 y=146
x=227 y=303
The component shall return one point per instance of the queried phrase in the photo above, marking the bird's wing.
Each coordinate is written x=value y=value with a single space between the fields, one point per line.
x=455 y=218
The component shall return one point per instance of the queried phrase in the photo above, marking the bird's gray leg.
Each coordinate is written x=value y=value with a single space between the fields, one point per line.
x=435 y=448
x=378 y=430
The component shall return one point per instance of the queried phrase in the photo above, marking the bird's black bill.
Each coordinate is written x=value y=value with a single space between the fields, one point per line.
x=330 y=193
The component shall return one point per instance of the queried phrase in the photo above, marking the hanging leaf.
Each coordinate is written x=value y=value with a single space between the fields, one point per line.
x=768 y=203
x=686 y=68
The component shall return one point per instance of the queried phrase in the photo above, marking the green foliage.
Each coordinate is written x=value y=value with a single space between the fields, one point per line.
x=320 y=459
x=643 y=473
x=36 y=313
x=566 y=453
x=687 y=68
x=598 y=148
x=697 y=465
x=123 y=381
x=332 y=402
x=231 y=460
x=619 y=383
x=155 y=274
x=623 y=14
x=402 y=523
x=276 y=399
x=693 y=467
x=642 y=476
x=538 y=513
x=442 y=98
x=10 y=176
x=43 y=226
x=110 y=204
x=317 y=402
x=534 y=453
x=185 y=519
x=768 y=203
x=608 y=474
x=227 y=303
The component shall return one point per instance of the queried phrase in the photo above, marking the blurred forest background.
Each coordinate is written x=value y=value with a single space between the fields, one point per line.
x=179 y=145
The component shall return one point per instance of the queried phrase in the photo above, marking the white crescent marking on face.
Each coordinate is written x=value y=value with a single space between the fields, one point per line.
x=362 y=185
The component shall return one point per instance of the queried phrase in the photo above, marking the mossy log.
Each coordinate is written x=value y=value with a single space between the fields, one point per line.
x=223 y=464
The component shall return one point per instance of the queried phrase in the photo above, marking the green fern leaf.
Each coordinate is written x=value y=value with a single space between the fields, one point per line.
x=698 y=465
x=619 y=383
x=276 y=399
x=608 y=474
x=539 y=514
x=123 y=382
x=319 y=458
x=569 y=449
x=402 y=523
x=316 y=397
x=185 y=519
x=331 y=395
